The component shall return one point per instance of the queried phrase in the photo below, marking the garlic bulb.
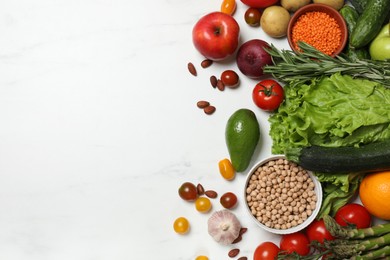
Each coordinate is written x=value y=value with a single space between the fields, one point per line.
x=224 y=226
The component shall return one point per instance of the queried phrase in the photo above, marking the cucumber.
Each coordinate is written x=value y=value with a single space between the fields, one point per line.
x=367 y=158
x=359 y=5
x=351 y=16
x=358 y=54
x=369 y=23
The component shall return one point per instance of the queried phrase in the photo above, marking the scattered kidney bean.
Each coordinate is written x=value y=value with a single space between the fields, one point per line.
x=220 y=85
x=213 y=81
x=206 y=63
x=233 y=252
x=211 y=194
x=200 y=189
x=191 y=68
x=202 y=104
x=209 y=110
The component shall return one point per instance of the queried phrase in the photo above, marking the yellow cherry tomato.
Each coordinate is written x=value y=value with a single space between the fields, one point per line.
x=181 y=225
x=226 y=169
x=202 y=257
x=202 y=204
x=228 y=6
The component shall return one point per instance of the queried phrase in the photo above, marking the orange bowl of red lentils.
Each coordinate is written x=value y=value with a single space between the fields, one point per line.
x=282 y=197
x=320 y=26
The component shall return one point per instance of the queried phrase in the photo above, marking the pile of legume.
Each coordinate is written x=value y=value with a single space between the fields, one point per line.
x=280 y=194
x=319 y=30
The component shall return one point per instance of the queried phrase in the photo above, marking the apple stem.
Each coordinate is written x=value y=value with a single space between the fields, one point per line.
x=217 y=31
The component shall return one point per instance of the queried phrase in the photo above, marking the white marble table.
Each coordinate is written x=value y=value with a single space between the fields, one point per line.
x=99 y=127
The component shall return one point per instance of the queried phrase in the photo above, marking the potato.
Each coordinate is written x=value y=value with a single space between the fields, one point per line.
x=274 y=21
x=293 y=5
x=336 y=4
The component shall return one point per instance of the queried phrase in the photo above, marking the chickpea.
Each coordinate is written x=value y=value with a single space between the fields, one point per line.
x=281 y=194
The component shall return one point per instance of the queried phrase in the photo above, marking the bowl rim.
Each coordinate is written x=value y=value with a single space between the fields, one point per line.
x=310 y=219
x=313 y=7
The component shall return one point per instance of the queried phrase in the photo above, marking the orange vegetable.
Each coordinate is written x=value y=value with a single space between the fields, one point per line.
x=319 y=30
x=228 y=6
x=226 y=169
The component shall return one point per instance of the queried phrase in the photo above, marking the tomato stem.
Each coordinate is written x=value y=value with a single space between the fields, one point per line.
x=268 y=91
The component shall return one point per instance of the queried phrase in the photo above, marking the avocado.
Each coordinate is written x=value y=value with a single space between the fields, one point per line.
x=242 y=135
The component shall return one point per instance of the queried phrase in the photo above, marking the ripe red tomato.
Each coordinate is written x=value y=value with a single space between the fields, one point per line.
x=355 y=214
x=295 y=242
x=266 y=251
x=268 y=95
x=187 y=191
x=259 y=3
x=228 y=200
x=230 y=78
x=252 y=16
x=317 y=231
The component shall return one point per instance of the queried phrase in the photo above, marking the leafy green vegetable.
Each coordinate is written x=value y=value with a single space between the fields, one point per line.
x=338 y=190
x=331 y=111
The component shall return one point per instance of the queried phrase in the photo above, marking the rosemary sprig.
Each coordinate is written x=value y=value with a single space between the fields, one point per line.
x=310 y=63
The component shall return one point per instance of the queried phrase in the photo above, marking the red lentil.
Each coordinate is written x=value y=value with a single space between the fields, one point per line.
x=319 y=30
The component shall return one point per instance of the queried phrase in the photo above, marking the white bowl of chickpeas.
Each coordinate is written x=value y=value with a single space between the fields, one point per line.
x=282 y=197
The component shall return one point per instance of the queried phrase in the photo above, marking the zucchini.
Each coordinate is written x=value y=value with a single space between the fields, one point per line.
x=370 y=22
x=351 y=16
x=367 y=158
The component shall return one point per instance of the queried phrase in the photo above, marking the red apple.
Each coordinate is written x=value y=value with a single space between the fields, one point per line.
x=216 y=35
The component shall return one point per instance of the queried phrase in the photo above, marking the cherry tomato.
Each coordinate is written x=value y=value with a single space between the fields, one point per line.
x=317 y=231
x=266 y=251
x=201 y=257
x=181 y=225
x=226 y=169
x=268 y=95
x=203 y=204
x=228 y=200
x=355 y=214
x=188 y=191
x=228 y=6
x=259 y=3
x=230 y=78
x=295 y=242
x=253 y=16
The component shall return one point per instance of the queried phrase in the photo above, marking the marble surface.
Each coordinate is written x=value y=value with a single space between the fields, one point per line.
x=99 y=127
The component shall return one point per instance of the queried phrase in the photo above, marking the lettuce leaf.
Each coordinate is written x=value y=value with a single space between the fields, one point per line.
x=338 y=190
x=331 y=111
